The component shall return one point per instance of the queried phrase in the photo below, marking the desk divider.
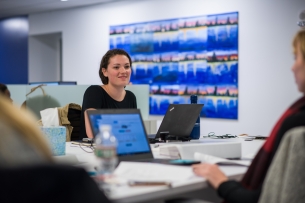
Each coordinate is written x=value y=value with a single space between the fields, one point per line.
x=59 y=96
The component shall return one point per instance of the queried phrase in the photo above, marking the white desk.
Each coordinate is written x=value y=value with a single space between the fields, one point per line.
x=194 y=188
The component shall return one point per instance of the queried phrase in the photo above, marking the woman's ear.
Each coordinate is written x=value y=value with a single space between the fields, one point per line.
x=104 y=70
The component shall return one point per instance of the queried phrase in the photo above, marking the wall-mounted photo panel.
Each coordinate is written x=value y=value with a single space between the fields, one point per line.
x=185 y=56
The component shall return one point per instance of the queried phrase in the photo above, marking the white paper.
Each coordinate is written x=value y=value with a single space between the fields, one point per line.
x=141 y=171
x=205 y=158
x=49 y=117
x=170 y=151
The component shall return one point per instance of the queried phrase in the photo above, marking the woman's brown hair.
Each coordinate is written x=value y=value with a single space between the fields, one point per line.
x=299 y=40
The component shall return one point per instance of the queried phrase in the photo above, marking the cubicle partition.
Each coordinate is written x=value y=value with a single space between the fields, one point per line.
x=38 y=98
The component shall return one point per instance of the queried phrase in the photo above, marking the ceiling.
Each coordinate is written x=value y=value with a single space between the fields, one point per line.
x=10 y=8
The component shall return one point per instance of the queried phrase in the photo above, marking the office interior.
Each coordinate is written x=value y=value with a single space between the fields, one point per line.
x=266 y=29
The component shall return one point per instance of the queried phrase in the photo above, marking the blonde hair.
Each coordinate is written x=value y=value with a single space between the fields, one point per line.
x=299 y=40
x=24 y=123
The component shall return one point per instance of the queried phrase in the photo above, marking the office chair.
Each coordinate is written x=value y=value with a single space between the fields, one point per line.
x=285 y=179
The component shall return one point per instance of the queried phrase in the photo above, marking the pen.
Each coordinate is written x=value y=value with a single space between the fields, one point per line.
x=148 y=183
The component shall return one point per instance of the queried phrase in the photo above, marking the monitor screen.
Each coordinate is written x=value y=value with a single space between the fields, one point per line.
x=53 y=83
x=128 y=130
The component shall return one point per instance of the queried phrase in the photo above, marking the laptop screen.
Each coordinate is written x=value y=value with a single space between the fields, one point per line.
x=128 y=130
x=179 y=119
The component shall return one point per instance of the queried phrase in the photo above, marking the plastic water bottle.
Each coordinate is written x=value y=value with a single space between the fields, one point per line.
x=195 y=134
x=105 y=151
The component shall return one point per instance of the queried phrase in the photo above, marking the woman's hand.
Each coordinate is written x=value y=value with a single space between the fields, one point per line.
x=211 y=172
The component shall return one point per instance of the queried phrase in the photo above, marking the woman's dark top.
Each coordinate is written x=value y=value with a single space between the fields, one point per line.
x=96 y=97
x=235 y=192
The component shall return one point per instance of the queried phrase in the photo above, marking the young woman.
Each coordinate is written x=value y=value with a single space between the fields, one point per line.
x=249 y=189
x=115 y=71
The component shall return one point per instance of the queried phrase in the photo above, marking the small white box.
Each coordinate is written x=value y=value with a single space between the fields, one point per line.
x=188 y=149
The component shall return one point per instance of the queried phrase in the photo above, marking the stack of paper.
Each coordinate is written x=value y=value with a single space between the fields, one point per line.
x=205 y=158
x=169 y=151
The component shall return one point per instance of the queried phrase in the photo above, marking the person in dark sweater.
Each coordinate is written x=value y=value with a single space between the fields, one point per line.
x=115 y=71
x=249 y=189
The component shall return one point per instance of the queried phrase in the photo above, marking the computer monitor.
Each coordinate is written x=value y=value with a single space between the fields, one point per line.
x=54 y=83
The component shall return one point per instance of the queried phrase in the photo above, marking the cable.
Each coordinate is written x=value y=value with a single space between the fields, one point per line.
x=225 y=136
x=83 y=146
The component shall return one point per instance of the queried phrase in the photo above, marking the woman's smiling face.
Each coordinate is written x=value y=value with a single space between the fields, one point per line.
x=118 y=70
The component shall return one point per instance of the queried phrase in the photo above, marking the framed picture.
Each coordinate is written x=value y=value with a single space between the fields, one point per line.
x=185 y=56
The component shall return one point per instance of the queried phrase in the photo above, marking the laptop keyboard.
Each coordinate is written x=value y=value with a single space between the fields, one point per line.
x=160 y=161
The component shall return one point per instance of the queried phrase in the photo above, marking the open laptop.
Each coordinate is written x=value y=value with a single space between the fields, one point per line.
x=179 y=120
x=128 y=128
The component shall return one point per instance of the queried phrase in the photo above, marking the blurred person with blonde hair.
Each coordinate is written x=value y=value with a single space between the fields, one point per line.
x=27 y=170
x=21 y=141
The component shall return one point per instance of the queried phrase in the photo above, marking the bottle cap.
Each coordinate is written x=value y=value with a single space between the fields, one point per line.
x=193 y=99
x=105 y=127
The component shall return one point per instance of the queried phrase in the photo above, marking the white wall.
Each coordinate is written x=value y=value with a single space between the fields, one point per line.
x=44 y=57
x=266 y=29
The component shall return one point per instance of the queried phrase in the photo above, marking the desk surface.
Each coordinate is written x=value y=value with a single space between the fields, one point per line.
x=77 y=156
x=143 y=194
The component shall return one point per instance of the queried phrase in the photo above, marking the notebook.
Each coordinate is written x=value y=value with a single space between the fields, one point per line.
x=179 y=120
x=128 y=128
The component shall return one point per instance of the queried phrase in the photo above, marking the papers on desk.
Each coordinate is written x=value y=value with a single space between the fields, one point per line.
x=170 y=151
x=141 y=171
x=205 y=158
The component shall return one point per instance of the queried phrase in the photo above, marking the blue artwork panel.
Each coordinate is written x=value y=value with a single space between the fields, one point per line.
x=192 y=34
x=181 y=57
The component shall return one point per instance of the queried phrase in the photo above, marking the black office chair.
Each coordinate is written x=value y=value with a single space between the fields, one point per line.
x=49 y=183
